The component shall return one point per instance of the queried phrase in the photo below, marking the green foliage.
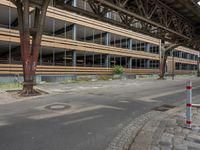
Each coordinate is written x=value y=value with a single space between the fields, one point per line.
x=118 y=70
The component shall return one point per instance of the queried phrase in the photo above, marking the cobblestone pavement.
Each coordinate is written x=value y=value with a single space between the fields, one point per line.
x=167 y=131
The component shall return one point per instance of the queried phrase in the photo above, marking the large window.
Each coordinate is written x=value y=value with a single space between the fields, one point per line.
x=154 y=64
x=154 y=49
x=139 y=63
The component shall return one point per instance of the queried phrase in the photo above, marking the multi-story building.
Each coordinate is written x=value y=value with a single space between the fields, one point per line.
x=73 y=44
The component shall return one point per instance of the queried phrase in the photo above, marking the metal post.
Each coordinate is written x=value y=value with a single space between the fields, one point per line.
x=189 y=105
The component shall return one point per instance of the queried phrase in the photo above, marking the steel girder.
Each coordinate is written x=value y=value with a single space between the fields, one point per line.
x=150 y=17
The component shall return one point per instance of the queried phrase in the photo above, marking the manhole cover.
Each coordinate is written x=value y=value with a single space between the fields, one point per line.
x=164 y=107
x=58 y=107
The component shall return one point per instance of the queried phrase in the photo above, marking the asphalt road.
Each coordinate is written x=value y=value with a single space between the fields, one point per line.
x=94 y=118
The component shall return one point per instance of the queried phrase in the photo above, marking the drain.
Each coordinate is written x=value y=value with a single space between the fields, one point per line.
x=164 y=107
x=57 y=107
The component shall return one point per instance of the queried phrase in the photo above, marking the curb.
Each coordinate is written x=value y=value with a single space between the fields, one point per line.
x=127 y=135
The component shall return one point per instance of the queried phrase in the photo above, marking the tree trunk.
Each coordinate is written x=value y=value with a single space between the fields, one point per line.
x=162 y=67
x=164 y=55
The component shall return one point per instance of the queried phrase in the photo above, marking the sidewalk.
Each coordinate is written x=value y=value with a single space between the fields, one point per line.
x=166 y=132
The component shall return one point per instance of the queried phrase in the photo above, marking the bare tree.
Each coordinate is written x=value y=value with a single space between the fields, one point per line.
x=30 y=38
x=164 y=54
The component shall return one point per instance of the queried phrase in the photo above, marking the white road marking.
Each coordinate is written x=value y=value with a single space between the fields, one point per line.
x=73 y=110
x=82 y=119
x=123 y=101
x=4 y=123
x=151 y=98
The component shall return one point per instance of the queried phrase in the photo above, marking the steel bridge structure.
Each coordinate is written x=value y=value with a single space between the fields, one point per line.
x=175 y=22
x=170 y=20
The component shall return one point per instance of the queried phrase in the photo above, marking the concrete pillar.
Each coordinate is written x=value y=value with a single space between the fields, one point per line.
x=74 y=58
x=180 y=54
x=107 y=61
x=74 y=3
x=148 y=48
x=65 y=53
x=130 y=44
x=180 y=66
x=53 y=57
x=107 y=39
x=148 y=64
x=74 y=37
x=74 y=32
x=130 y=63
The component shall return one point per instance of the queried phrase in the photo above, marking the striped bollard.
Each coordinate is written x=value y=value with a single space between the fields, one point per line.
x=189 y=105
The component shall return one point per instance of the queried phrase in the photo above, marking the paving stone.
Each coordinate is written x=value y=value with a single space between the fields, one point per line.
x=178 y=139
x=169 y=130
x=162 y=124
x=193 y=138
x=170 y=134
x=171 y=123
x=154 y=148
x=166 y=139
x=193 y=148
x=179 y=134
x=178 y=146
x=178 y=129
x=186 y=131
x=192 y=145
x=165 y=148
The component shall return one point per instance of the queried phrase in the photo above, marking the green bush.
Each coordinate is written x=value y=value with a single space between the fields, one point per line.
x=118 y=70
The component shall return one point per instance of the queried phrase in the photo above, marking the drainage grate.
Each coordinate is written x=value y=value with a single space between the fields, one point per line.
x=164 y=107
x=57 y=107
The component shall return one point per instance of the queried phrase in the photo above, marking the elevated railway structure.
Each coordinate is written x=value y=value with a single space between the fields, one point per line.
x=174 y=21
x=170 y=20
x=89 y=37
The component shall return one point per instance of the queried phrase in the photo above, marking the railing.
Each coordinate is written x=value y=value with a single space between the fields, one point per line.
x=14 y=69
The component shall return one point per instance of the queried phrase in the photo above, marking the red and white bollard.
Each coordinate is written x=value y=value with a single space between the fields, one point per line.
x=189 y=105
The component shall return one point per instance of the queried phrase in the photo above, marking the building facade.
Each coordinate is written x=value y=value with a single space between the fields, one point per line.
x=77 y=45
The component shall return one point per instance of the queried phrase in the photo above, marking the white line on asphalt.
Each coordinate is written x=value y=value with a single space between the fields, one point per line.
x=82 y=119
x=4 y=123
x=151 y=98
x=50 y=114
